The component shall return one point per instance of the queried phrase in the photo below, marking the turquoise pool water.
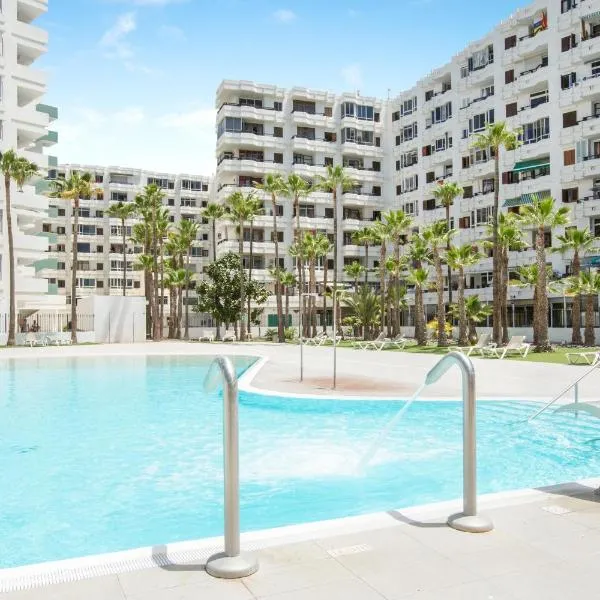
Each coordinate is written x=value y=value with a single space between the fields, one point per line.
x=99 y=455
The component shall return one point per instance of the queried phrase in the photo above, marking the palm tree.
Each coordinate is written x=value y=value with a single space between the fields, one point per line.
x=274 y=185
x=323 y=248
x=309 y=251
x=476 y=313
x=354 y=270
x=163 y=225
x=446 y=192
x=123 y=211
x=77 y=186
x=20 y=170
x=288 y=280
x=255 y=209
x=238 y=209
x=213 y=212
x=335 y=180
x=364 y=237
x=580 y=242
x=382 y=235
x=458 y=258
x=436 y=236
x=187 y=232
x=587 y=284
x=419 y=278
x=364 y=305
x=495 y=137
x=542 y=215
x=176 y=278
x=527 y=276
x=398 y=224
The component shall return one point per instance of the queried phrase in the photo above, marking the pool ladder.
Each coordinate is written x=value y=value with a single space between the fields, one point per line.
x=232 y=563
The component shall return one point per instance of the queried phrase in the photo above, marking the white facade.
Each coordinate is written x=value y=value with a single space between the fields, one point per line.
x=24 y=128
x=539 y=71
x=100 y=269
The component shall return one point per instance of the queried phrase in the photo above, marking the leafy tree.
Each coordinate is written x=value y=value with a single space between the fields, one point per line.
x=419 y=278
x=364 y=305
x=274 y=185
x=323 y=248
x=496 y=136
x=219 y=292
x=382 y=236
x=579 y=242
x=586 y=284
x=123 y=211
x=354 y=270
x=365 y=237
x=20 y=170
x=460 y=257
x=476 y=312
x=214 y=212
x=287 y=280
x=542 y=215
x=77 y=186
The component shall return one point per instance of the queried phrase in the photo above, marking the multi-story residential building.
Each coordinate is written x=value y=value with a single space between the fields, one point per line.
x=100 y=241
x=24 y=128
x=539 y=71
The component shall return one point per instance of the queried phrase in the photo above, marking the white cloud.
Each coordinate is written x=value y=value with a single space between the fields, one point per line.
x=352 y=75
x=284 y=15
x=172 y=32
x=202 y=117
x=114 y=39
x=352 y=13
x=130 y=116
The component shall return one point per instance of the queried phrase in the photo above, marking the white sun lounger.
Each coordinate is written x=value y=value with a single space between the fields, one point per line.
x=516 y=345
x=583 y=358
x=229 y=336
x=207 y=336
x=318 y=340
x=483 y=344
x=365 y=344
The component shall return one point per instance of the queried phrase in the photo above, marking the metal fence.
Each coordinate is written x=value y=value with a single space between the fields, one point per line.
x=46 y=322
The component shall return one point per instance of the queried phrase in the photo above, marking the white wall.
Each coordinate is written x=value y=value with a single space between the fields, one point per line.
x=117 y=319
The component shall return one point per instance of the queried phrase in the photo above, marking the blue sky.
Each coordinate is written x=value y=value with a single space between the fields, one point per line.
x=135 y=80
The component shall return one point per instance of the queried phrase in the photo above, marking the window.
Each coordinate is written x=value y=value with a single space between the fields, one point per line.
x=466 y=162
x=190 y=184
x=569 y=157
x=481 y=58
x=329 y=213
x=429 y=204
x=568 y=42
x=509 y=76
x=570 y=195
x=255 y=102
x=482 y=215
x=511 y=109
x=478 y=122
x=567 y=81
x=229 y=124
x=396 y=115
x=570 y=119
x=60 y=283
x=538 y=98
x=118 y=196
x=596 y=68
x=468 y=191
x=87 y=229
x=408 y=106
x=347 y=109
x=430 y=177
x=566 y=5
x=410 y=184
x=510 y=42
x=330 y=136
x=328 y=161
x=304 y=106
x=278 y=157
x=408 y=132
x=364 y=113
x=536 y=131
x=161 y=182
x=487 y=186
x=328 y=111
x=409 y=158
x=278 y=132
x=441 y=113
x=376 y=166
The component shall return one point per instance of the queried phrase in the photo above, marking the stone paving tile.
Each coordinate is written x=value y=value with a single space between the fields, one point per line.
x=476 y=590
x=280 y=556
x=297 y=576
x=352 y=589
x=98 y=588
x=148 y=580
x=227 y=590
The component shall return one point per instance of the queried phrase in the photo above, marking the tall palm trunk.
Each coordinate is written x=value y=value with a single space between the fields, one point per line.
x=335 y=256
x=242 y=286
x=496 y=320
x=155 y=319
x=75 y=252
x=161 y=306
x=325 y=269
x=214 y=249
x=397 y=284
x=287 y=305
x=186 y=334
x=179 y=310
x=124 y=258
x=249 y=321
x=300 y=264
x=420 y=333
x=504 y=294
x=367 y=264
x=449 y=268
x=382 y=253
x=576 y=307
x=148 y=286
x=12 y=312
x=589 y=334
x=280 y=325
x=172 y=312
x=312 y=277
x=442 y=339
x=463 y=334
x=541 y=310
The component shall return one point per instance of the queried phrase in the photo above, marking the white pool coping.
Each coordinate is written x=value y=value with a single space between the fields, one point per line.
x=76 y=569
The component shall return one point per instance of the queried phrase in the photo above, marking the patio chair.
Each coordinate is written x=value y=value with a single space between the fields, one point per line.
x=318 y=340
x=229 y=336
x=338 y=339
x=207 y=336
x=33 y=339
x=483 y=344
x=365 y=344
x=583 y=358
x=516 y=345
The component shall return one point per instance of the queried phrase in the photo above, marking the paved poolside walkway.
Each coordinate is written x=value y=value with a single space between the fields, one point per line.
x=546 y=545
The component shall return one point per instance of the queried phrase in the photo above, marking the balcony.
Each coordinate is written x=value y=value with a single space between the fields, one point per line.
x=263 y=114
x=31 y=84
x=46 y=109
x=315 y=223
x=245 y=138
x=32 y=42
x=589 y=126
x=533 y=77
x=316 y=119
x=532 y=44
x=316 y=144
x=236 y=164
x=353 y=250
x=49 y=139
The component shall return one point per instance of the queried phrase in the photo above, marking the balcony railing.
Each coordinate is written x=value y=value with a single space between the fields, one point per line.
x=534 y=69
x=249 y=106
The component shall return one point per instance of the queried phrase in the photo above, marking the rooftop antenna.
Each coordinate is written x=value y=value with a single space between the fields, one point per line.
x=389 y=92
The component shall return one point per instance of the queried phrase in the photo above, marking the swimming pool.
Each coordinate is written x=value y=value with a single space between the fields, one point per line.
x=107 y=454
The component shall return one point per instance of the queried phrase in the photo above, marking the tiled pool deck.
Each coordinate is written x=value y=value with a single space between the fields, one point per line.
x=545 y=545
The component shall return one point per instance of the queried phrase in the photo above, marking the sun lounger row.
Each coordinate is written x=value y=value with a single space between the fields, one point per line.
x=381 y=342
x=516 y=345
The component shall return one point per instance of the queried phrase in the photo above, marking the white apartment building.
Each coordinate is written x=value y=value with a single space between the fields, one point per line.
x=100 y=241
x=24 y=128
x=539 y=71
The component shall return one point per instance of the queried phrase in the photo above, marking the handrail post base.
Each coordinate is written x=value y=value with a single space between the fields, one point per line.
x=231 y=567
x=470 y=523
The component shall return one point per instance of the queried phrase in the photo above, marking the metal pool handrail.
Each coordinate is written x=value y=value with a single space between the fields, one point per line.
x=468 y=520
x=575 y=385
x=230 y=564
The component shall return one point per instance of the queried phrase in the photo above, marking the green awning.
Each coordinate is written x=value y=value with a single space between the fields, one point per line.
x=524 y=199
x=529 y=165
